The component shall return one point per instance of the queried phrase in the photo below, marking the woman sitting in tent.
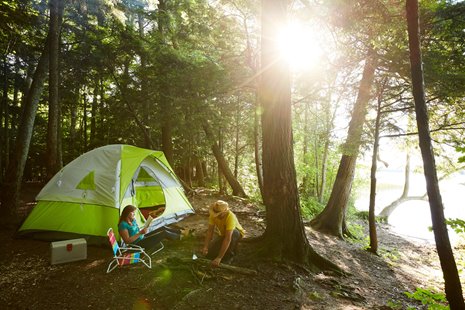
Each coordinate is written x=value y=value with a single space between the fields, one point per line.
x=130 y=232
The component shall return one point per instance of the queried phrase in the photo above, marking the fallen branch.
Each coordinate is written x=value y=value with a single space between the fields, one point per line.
x=206 y=262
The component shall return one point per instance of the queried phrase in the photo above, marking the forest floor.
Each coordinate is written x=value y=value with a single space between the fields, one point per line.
x=28 y=281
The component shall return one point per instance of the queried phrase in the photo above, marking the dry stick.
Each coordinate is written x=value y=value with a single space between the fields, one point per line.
x=203 y=261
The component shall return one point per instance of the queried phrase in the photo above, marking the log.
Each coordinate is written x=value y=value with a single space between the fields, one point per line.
x=203 y=261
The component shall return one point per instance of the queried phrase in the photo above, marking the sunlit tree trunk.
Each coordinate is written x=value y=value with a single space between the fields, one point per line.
x=284 y=236
x=284 y=229
x=332 y=219
x=453 y=287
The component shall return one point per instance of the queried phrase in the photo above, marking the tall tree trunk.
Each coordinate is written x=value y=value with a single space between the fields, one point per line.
x=73 y=122
x=223 y=165
x=15 y=171
x=53 y=105
x=284 y=236
x=167 y=135
x=221 y=179
x=374 y=160
x=14 y=119
x=258 y=159
x=85 y=140
x=305 y=150
x=453 y=287
x=332 y=219
x=236 y=142
x=102 y=121
x=329 y=125
x=4 y=113
x=93 y=120
x=167 y=126
x=324 y=167
x=199 y=176
x=143 y=86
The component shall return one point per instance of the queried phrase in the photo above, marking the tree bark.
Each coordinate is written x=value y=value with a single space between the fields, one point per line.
x=374 y=161
x=93 y=120
x=258 y=159
x=305 y=150
x=284 y=237
x=236 y=142
x=332 y=219
x=53 y=106
x=144 y=90
x=165 y=105
x=73 y=121
x=4 y=113
x=199 y=176
x=85 y=139
x=453 y=287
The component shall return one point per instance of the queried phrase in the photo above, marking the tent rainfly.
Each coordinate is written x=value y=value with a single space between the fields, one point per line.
x=87 y=196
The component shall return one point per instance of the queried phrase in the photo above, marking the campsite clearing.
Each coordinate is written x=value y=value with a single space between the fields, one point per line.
x=27 y=280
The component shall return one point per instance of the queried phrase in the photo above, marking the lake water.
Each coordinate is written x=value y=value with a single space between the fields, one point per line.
x=412 y=219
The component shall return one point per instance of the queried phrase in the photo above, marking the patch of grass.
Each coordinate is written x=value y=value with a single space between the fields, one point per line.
x=433 y=300
x=395 y=305
x=358 y=236
x=392 y=254
x=314 y=296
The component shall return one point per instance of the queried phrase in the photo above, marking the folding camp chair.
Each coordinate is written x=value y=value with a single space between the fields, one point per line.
x=126 y=255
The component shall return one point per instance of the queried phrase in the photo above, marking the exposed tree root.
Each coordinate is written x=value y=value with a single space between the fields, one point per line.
x=306 y=259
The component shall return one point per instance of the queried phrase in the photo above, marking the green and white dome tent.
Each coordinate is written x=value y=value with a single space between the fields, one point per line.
x=87 y=196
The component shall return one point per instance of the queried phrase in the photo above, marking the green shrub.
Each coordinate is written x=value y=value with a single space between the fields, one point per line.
x=434 y=300
x=310 y=207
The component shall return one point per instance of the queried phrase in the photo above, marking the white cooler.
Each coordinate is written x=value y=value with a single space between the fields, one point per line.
x=68 y=251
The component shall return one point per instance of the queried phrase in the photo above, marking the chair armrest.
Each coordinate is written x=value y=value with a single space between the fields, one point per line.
x=132 y=247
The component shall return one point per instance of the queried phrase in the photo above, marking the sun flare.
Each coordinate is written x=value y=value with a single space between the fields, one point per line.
x=299 y=46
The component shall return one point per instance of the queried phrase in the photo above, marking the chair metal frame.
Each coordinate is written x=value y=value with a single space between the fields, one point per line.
x=125 y=255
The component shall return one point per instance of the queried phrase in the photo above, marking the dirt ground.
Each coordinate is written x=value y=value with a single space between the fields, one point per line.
x=28 y=281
